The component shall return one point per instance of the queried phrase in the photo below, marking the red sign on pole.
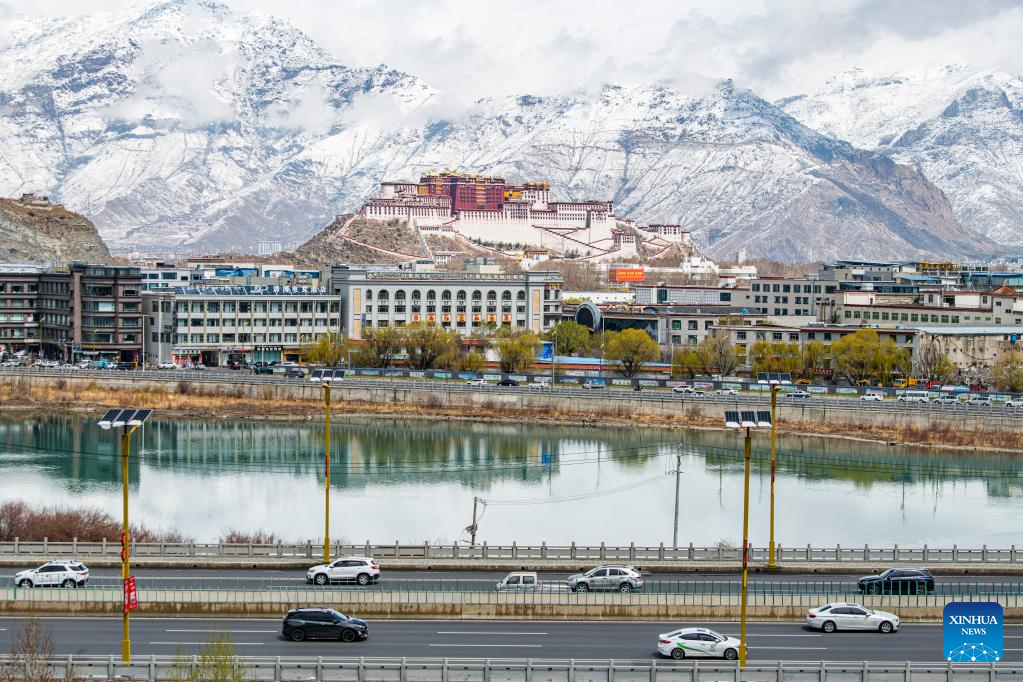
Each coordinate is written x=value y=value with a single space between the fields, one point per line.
x=131 y=595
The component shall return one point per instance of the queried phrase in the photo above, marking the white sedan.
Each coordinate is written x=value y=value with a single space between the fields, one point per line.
x=726 y=391
x=842 y=616
x=872 y=396
x=477 y=382
x=697 y=642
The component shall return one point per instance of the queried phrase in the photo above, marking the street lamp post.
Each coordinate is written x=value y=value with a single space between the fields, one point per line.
x=129 y=420
x=774 y=407
x=747 y=420
x=326 y=470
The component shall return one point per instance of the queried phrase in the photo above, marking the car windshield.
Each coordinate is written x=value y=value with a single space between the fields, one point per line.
x=337 y=616
x=888 y=573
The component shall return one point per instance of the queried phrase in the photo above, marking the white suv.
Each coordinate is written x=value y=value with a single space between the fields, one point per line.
x=346 y=569
x=54 y=574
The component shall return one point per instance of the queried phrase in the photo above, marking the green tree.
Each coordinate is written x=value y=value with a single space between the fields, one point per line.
x=382 y=345
x=216 y=662
x=473 y=361
x=1007 y=372
x=717 y=352
x=631 y=349
x=812 y=357
x=687 y=360
x=329 y=349
x=429 y=345
x=569 y=337
x=765 y=356
x=517 y=352
x=854 y=356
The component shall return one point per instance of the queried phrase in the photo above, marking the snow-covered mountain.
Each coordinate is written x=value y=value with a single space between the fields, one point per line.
x=189 y=124
x=962 y=127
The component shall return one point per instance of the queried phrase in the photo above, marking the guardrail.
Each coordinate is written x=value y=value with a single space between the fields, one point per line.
x=996 y=412
x=324 y=669
x=583 y=554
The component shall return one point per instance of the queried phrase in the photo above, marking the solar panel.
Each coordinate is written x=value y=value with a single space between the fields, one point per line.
x=140 y=417
x=732 y=419
x=785 y=376
x=763 y=418
x=108 y=418
x=761 y=376
x=748 y=419
x=773 y=376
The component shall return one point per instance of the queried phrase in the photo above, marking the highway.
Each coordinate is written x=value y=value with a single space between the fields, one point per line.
x=489 y=639
x=484 y=581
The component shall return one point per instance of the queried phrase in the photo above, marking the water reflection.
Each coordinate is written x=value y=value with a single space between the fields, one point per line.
x=414 y=480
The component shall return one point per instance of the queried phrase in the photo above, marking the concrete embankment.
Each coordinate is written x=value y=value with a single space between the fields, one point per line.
x=822 y=416
x=457 y=605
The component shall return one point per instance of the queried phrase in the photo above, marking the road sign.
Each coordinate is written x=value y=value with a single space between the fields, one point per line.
x=131 y=595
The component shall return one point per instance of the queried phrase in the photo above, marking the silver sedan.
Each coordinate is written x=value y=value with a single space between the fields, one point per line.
x=842 y=616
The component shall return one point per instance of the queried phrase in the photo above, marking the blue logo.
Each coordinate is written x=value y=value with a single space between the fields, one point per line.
x=972 y=632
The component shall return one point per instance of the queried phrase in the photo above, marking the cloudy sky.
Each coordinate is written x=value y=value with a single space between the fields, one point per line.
x=778 y=48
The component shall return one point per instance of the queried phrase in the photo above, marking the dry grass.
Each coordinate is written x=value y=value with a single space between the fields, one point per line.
x=213 y=400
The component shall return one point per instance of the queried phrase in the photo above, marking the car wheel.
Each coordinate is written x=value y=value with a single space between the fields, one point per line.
x=731 y=654
x=26 y=583
x=348 y=636
x=363 y=579
x=678 y=653
x=583 y=587
x=68 y=582
x=885 y=627
x=297 y=635
x=828 y=626
x=320 y=579
x=625 y=587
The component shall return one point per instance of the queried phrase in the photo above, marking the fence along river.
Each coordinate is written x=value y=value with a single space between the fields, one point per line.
x=414 y=481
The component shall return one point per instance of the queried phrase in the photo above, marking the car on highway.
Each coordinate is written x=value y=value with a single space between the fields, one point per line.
x=979 y=401
x=726 y=391
x=519 y=580
x=843 y=616
x=946 y=399
x=876 y=397
x=322 y=623
x=167 y=365
x=477 y=382
x=539 y=384
x=914 y=397
x=798 y=395
x=617 y=578
x=1013 y=402
x=594 y=384
x=262 y=368
x=347 y=569
x=294 y=372
x=68 y=573
x=507 y=382
x=688 y=390
x=898 y=581
x=697 y=643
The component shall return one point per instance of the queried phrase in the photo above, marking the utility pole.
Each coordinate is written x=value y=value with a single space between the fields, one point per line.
x=678 y=477
x=745 y=550
x=472 y=528
x=326 y=470
x=554 y=353
x=774 y=420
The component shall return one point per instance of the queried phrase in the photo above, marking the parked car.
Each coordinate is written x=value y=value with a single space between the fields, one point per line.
x=322 y=623
x=507 y=382
x=124 y=365
x=898 y=581
x=617 y=578
x=235 y=364
x=979 y=401
x=842 y=616
x=346 y=569
x=798 y=395
x=481 y=383
x=519 y=580
x=689 y=390
x=697 y=643
x=69 y=573
x=877 y=397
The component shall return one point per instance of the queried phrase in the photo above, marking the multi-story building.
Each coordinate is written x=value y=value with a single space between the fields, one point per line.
x=743 y=336
x=216 y=325
x=35 y=310
x=106 y=311
x=481 y=296
x=785 y=296
x=670 y=325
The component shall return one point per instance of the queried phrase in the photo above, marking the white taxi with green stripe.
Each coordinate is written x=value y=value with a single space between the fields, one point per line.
x=697 y=642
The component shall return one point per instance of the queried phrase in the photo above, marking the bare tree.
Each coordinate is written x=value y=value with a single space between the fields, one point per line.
x=31 y=655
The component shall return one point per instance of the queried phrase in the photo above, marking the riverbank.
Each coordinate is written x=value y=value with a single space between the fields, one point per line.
x=267 y=403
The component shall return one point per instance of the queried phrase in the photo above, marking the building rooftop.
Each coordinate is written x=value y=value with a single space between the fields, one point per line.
x=972 y=331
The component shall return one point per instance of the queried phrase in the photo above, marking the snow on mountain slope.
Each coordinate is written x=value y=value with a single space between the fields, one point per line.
x=962 y=127
x=188 y=124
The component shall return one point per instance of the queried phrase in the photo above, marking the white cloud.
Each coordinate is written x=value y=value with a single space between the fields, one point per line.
x=470 y=49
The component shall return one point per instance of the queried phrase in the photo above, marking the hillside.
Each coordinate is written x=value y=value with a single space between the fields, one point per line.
x=48 y=233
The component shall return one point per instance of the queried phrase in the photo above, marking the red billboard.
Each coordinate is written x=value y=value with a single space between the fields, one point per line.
x=131 y=595
x=626 y=274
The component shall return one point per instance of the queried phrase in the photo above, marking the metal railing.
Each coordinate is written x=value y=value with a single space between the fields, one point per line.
x=398 y=552
x=329 y=669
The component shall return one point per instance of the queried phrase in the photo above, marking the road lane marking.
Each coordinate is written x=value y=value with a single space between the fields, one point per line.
x=460 y=632
x=790 y=648
x=520 y=646
x=247 y=631
x=205 y=643
x=752 y=635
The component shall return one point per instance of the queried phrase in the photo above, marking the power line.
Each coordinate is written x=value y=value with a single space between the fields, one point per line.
x=583 y=496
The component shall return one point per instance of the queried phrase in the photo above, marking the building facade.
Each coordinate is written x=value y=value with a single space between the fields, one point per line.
x=479 y=297
x=35 y=311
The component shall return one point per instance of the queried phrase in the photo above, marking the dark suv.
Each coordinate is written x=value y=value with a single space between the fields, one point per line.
x=322 y=623
x=898 y=581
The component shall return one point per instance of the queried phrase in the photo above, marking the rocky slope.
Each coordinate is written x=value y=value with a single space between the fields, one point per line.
x=188 y=124
x=961 y=127
x=47 y=234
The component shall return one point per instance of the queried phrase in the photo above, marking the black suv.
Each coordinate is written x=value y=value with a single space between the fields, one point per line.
x=898 y=581
x=322 y=623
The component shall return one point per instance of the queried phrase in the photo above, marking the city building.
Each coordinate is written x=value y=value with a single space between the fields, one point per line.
x=975 y=349
x=35 y=310
x=106 y=312
x=481 y=296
